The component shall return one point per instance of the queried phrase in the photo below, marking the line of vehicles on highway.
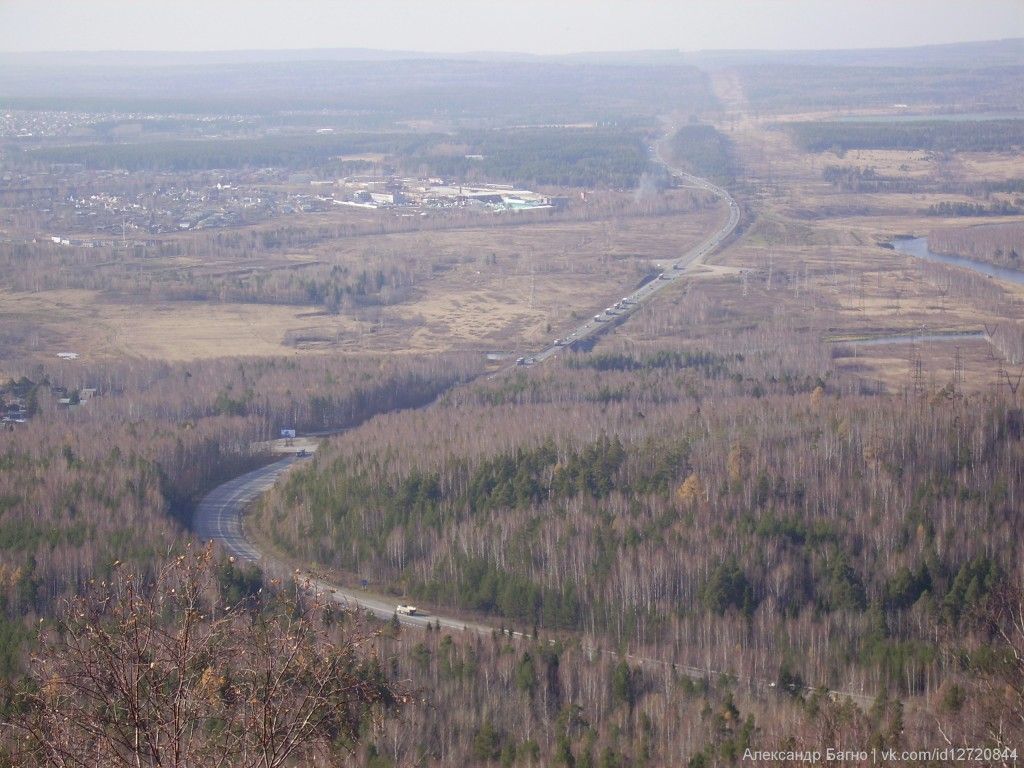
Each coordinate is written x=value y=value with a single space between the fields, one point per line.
x=629 y=303
x=623 y=304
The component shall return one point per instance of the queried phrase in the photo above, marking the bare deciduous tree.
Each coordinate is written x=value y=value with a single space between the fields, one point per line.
x=159 y=672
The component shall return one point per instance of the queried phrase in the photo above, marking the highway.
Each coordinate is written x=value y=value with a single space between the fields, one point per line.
x=673 y=271
x=219 y=515
x=219 y=518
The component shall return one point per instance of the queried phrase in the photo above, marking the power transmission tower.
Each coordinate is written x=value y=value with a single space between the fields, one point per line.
x=1012 y=385
x=989 y=335
x=958 y=370
x=917 y=376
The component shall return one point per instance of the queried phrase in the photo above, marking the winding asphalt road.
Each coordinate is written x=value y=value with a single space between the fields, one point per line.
x=219 y=518
x=219 y=515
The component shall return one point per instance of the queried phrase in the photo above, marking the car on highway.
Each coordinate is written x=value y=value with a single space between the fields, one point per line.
x=406 y=610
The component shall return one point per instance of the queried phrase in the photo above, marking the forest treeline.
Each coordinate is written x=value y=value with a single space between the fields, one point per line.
x=867 y=179
x=961 y=208
x=930 y=135
x=704 y=151
x=563 y=157
x=564 y=499
x=389 y=94
x=553 y=156
x=288 y=151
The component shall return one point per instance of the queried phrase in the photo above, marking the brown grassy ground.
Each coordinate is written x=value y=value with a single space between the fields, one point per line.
x=490 y=287
x=812 y=261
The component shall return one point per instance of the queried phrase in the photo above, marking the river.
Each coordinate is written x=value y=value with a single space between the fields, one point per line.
x=918 y=246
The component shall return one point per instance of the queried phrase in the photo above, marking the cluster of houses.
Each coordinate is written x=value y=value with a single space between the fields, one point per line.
x=18 y=400
x=13 y=410
x=84 y=126
x=172 y=208
x=119 y=209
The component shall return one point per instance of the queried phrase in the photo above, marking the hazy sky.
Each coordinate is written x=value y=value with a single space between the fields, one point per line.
x=548 y=26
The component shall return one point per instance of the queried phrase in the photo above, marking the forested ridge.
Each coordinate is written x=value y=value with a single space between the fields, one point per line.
x=781 y=87
x=703 y=504
x=115 y=475
x=761 y=517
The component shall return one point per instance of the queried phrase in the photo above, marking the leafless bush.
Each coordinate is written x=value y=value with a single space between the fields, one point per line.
x=147 y=671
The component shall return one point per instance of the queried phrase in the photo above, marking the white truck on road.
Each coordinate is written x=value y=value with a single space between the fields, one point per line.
x=406 y=610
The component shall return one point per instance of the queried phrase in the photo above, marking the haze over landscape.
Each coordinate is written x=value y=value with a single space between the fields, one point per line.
x=536 y=384
x=528 y=26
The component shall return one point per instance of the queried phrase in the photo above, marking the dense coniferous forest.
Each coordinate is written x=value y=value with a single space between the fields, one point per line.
x=295 y=151
x=561 y=157
x=565 y=157
x=704 y=151
x=933 y=135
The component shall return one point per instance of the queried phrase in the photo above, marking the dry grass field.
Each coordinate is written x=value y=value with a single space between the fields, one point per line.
x=814 y=255
x=811 y=255
x=85 y=323
x=487 y=288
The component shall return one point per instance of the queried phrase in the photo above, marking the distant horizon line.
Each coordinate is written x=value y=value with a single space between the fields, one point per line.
x=488 y=52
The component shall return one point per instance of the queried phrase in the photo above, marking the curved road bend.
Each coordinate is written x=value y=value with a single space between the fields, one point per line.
x=219 y=514
x=219 y=518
